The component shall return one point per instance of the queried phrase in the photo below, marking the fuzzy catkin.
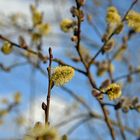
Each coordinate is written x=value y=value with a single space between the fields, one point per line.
x=113 y=16
x=133 y=20
x=113 y=91
x=62 y=75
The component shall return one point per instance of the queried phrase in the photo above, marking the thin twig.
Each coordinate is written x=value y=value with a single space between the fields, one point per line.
x=46 y=107
x=63 y=63
x=49 y=85
x=126 y=75
x=73 y=118
x=8 y=68
x=18 y=46
x=120 y=125
x=91 y=80
x=78 y=124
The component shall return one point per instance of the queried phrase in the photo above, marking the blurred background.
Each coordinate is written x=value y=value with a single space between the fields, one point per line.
x=23 y=76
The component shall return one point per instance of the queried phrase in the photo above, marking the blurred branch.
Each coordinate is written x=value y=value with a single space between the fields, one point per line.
x=40 y=55
x=73 y=118
x=9 y=68
x=18 y=46
x=78 y=124
x=60 y=62
x=120 y=125
x=127 y=75
x=8 y=109
x=113 y=33
x=94 y=27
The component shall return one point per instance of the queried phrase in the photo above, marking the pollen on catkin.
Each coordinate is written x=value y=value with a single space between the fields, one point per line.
x=133 y=20
x=62 y=75
x=37 y=16
x=17 y=97
x=113 y=91
x=44 y=28
x=113 y=16
x=66 y=25
x=7 y=48
x=42 y=132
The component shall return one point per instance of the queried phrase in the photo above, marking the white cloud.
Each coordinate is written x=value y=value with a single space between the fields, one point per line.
x=8 y=6
x=59 y=110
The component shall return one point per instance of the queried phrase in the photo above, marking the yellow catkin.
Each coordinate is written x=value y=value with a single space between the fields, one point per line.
x=101 y=72
x=66 y=25
x=42 y=132
x=3 y=112
x=133 y=20
x=17 y=97
x=109 y=45
x=112 y=68
x=36 y=37
x=20 y=120
x=118 y=56
x=113 y=16
x=37 y=16
x=62 y=75
x=119 y=28
x=5 y=101
x=104 y=67
x=138 y=107
x=7 y=48
x=1 y=122
x=44 y=28
x=113 y=91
